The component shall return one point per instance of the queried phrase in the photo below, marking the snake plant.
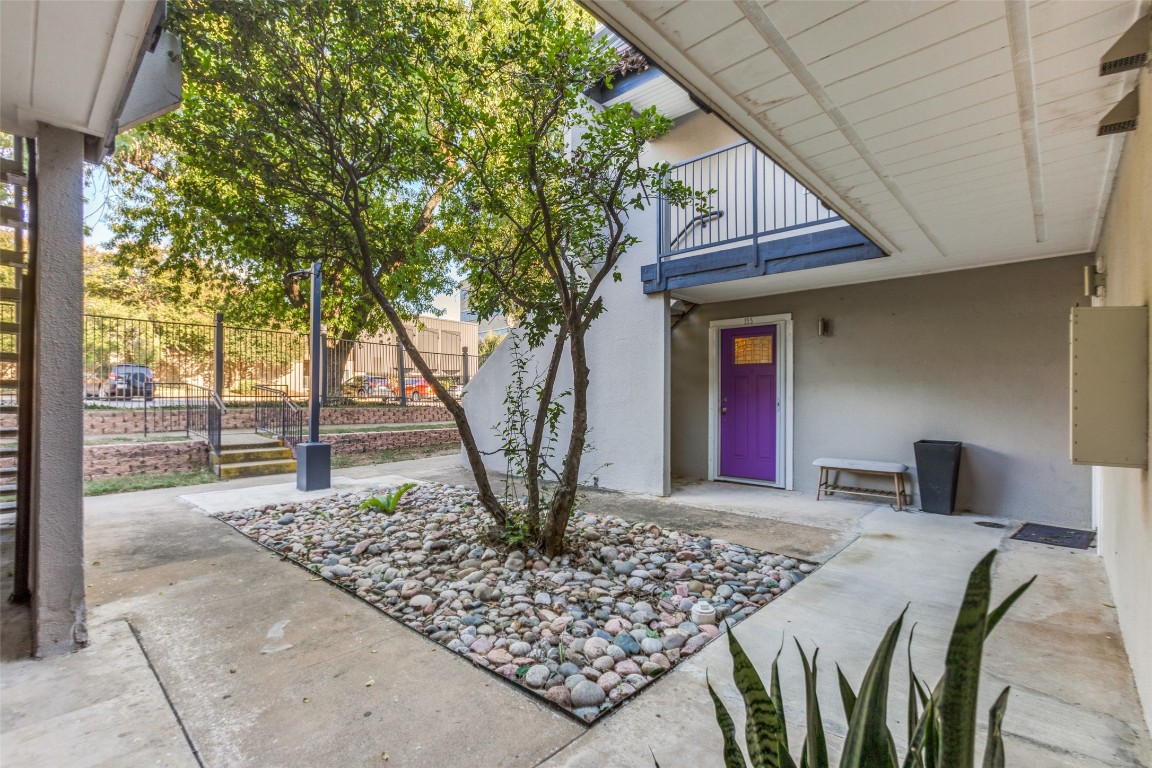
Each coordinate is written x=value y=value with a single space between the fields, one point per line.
x=941 y=721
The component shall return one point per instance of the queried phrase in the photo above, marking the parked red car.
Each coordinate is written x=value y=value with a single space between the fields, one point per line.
x=415 y=389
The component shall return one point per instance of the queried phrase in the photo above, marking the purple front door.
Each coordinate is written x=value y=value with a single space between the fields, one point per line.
x=748 y=402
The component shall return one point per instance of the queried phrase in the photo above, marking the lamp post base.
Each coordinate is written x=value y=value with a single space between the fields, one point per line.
x=313 y=466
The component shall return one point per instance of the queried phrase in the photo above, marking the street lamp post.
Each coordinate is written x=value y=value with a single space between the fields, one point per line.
x=314 y=458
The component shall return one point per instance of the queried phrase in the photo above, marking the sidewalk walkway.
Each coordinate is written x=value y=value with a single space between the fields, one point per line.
x=266 y=666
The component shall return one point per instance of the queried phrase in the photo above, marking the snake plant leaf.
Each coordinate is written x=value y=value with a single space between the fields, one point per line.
x=932 y=737
x=784 y=756
x=868 y=743
x=815 y=745
x=999 y=611
x=914 y=758
x=733 y=757
x=961 y=682
x=994 y=749
x=764 y=727
x=913 y=701
x=847 y=695
x=655 y=762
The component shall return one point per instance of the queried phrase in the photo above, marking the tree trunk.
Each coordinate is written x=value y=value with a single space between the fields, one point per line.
x=532 y=481
x=564 y=499
x=488 y=498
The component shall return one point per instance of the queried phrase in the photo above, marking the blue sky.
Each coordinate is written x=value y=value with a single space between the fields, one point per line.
x=95 y=205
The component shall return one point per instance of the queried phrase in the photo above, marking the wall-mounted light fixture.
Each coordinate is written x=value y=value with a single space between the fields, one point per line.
x=1094 y=281
x=823 y=327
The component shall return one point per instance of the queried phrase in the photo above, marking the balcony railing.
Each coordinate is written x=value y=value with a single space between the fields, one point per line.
x=749 y=198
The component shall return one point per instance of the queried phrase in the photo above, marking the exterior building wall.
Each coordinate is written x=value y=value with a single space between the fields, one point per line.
x=435 y=334
x=979 y=356
x=627 y=351
x=1124 y=496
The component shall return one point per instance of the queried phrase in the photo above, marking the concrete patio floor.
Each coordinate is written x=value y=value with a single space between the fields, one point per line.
x=264 y=666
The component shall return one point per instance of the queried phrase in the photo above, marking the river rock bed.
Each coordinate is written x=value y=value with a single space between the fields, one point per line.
x=585 y=630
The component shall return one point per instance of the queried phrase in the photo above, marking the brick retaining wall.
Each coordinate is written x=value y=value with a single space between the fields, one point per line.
x=121 y=459
x=118 y=460
x=353 y=443
x=421 y=414
x=130 y=421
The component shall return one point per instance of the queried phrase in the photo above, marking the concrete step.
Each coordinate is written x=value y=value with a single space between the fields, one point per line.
x=231 y=455
x=255 y=469
x=230 y=444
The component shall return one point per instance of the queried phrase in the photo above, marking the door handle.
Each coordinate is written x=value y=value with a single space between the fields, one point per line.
x=723 y=411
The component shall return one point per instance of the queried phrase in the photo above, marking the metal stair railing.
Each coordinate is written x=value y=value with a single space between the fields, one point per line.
x=203 y=413
x=277 y=415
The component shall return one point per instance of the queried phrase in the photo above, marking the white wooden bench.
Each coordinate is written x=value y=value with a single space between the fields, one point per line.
x=829 y=483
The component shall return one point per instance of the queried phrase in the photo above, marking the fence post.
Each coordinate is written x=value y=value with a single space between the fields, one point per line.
x=464 y=366
x=324 y=368
x=403 y=376
x=219 y=350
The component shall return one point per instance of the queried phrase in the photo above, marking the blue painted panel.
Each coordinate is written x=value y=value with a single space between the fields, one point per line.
x=842 y=245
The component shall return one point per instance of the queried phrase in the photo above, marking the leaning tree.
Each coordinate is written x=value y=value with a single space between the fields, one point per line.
x=541 y=221
x=407 y=141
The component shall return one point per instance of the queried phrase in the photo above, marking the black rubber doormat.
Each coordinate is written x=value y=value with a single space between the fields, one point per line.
x=1055 y=535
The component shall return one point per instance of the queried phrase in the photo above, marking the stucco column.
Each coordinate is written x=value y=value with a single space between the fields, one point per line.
x=59 y=613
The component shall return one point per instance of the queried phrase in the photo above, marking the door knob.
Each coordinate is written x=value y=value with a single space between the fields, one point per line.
x=723 y=411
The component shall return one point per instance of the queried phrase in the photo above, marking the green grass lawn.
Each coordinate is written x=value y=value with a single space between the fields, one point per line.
x=148 y=482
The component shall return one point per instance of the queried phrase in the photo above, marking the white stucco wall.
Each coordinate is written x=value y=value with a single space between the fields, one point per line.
x=1125 y=495
x=627 y=351
x=979 y=356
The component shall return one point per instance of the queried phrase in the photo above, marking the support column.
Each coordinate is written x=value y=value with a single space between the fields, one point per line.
x=59 y=613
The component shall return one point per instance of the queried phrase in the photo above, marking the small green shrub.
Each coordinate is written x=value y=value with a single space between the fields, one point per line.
x=387 y=502
x=941 y=723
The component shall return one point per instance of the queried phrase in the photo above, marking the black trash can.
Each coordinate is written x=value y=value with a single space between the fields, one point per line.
x=937 y=470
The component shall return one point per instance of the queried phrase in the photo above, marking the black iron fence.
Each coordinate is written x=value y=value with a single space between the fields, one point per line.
x=176 y=407
x=124 y=358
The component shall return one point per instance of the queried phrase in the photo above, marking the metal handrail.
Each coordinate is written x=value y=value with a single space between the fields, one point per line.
x=203 y=413
x=748 y=196
x=696 y=221
x=277 y=415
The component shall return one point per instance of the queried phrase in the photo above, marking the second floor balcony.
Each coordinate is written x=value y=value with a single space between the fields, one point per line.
x=759 y=221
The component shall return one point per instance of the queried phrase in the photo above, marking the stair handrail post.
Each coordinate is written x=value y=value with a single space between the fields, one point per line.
x=218 y=355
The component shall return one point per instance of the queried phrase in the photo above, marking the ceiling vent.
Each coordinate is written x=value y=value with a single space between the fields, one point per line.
x=1130 y=51
x=1121 y=117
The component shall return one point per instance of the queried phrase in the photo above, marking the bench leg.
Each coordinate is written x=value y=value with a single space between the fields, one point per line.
x=899 y=478
x=820 y=482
